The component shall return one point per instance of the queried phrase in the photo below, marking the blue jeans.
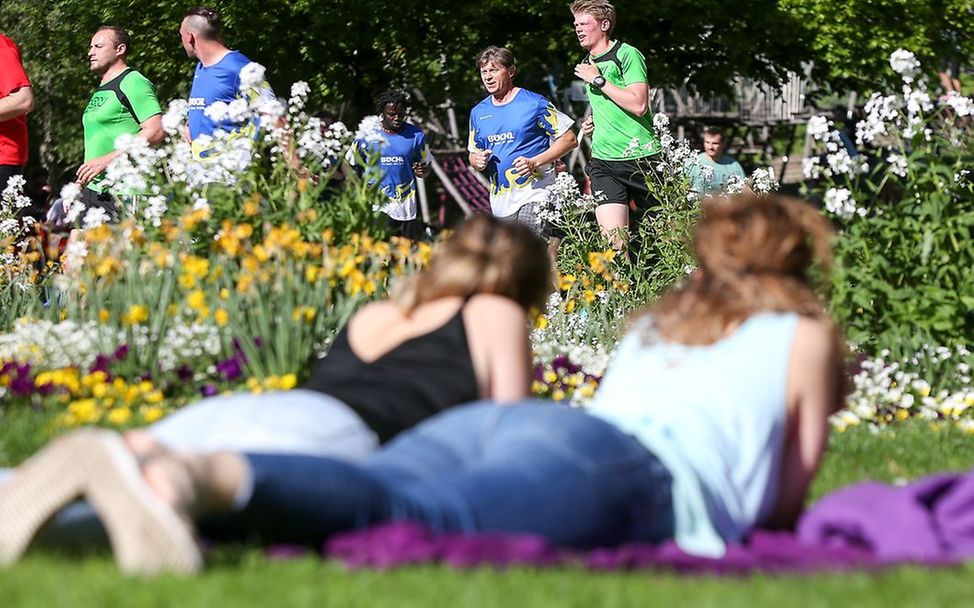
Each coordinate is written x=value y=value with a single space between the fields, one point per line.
x=532 y=468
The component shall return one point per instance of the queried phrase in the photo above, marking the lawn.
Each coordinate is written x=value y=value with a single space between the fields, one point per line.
x=247 y=578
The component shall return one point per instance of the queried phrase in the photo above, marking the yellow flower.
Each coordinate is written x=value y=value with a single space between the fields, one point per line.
x=566 y=281
x=558 y=394
x=261 y=253
x=151 y=413
x=251 y=207
x=902 y=414
x=119 y=416
x=289 y=381
x=224 y=293
x=588 y=296
x=136 y=313
x=103 y=316
x=196 y=300
x=107 y=266
x=305 y=313
x=570 y=305
x=311 y=273
x=550 y=376
x=221 y=316
x=541 y=322
x=84 y=411
x=154 y=396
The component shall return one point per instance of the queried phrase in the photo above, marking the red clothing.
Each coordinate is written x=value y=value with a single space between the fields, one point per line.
x=13 y=132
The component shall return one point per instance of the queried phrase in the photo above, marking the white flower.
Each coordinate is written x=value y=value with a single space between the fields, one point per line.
x=840 y=202
x=764 y=181
x=252 y=76
x=962 y=106
x=175 y=116
x=238 y=110
x=734 y=185
x=819 y=127
x=155 y=208
x=905 y=64
x=811 y=167
x=661 y=120
x=897 y=164
x=370 y=130
x=94 y=217
x=217 y=111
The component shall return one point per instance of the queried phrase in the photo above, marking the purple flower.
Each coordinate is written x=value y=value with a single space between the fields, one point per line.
x=230 y=368
x=21 y=385
x=121 y=352
x=208 y=390
x=101 y=364
x=184 y=373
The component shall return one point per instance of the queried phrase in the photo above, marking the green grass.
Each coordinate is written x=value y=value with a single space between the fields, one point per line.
x=247 y=578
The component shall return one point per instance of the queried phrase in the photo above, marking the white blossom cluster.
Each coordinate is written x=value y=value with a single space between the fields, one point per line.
x=763 y=180
x=12 y=200
x=566 y=335
x=884 y=391
x=564 y=197
x=369 y=130
x=839 y=201
x=323 y=144
x=837 y=160
x=49 y=345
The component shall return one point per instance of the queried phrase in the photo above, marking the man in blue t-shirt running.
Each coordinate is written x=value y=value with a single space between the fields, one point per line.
x=402 y=155
x=515 y=137
x=217 y=78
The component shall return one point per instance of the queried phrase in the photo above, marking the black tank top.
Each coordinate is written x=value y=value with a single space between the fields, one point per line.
x=415 y=380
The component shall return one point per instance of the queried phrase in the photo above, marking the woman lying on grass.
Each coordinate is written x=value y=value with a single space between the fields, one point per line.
x=453 y=333
x=711 y=421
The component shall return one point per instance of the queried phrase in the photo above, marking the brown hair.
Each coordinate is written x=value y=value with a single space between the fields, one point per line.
x=754 y=255
x=119 y=37
x=602 y=10
x=484 y=255
x=495 y=54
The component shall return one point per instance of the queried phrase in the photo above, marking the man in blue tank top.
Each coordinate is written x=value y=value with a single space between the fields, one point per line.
x=401 y=155
x=515 y=137
x=218 y=78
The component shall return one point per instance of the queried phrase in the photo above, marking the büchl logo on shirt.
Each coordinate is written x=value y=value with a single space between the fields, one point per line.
x=499 y=138
x=392 y=160
x=197 y=103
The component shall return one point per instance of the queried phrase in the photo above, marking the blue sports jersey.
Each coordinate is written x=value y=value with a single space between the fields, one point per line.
x=525 y=126
x=218 y=82
x=394 y=173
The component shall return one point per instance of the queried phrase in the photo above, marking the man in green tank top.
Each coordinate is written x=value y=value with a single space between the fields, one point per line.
x=124 y=103
x=621 y=127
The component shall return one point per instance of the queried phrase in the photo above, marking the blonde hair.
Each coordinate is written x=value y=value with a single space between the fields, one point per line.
x=754 y=255
x=602 y=10
x=484 y=256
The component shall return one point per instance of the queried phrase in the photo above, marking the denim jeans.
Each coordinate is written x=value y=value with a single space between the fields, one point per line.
x=530 y=468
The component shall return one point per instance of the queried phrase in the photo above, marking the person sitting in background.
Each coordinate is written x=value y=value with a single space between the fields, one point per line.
x=711 y=421
x=714 y=166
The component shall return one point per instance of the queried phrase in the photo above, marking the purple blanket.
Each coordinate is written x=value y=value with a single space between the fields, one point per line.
x=866 y=525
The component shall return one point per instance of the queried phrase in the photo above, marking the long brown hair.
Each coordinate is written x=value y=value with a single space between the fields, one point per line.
x=484 y=255
x=754 y=255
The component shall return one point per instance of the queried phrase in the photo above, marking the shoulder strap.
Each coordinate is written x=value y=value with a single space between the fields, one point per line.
x=115 y=86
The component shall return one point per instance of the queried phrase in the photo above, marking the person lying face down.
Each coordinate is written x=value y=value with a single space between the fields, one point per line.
x=452 y=333
x=711 y=421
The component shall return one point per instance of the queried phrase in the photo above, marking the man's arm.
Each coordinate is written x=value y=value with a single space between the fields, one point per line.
x=633 y=98
x=18 y=103
x=150 y=130
x=560 y=147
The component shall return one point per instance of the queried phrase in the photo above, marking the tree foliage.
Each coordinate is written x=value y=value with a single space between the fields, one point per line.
x=348 y=50
x=851 y=40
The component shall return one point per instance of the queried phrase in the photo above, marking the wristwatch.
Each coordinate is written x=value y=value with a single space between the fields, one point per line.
x=599 y=81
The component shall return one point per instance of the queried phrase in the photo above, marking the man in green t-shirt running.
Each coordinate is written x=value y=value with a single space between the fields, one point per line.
x=623 y=141
x=124 y=103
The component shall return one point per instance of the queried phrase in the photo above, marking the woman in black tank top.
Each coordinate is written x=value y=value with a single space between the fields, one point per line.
x=349 y=406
